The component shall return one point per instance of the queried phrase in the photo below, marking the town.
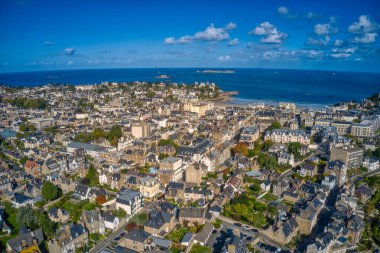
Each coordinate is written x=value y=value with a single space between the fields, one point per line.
x=155 y=167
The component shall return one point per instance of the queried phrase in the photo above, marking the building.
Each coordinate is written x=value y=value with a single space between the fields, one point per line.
x=26 y=242
x=149 y=187
x=195 y=173
x=362 y=130
x=140 y=130
x=137 y=240
x=70 y=238
x=339 y=169
x=130 y=201
x=351 y=156
x=287 y=135
x=199 y=108
x=342 y=127
x=371 y=163
x=249 y=134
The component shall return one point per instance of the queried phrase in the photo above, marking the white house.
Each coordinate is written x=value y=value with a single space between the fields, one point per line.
x=111 y=221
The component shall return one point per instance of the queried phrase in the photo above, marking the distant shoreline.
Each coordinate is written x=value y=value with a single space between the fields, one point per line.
x=215 y=71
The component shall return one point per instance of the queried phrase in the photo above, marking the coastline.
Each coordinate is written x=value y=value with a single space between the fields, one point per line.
x=230 y=99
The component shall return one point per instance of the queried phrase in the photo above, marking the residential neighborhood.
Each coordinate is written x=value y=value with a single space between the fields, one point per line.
x=154 y=167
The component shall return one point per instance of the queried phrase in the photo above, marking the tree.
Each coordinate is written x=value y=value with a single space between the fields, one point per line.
x=295 y=149
x=92 y=175
x=100 y=200
x=26 y=217
x=114 y=134
x=48 y=227
x=240 y=148
x=49 y=191
x=120 y=213
x=274 y=125
x=150 y=94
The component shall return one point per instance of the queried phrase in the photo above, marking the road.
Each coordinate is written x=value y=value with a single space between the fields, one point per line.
x=251 y=231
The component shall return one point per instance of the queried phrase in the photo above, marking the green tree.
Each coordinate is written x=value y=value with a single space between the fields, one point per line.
x=295 y=149
x=92 y=175
x=48 y=227
x=150 y=94
x=274 y=125
x=49 y=191
x=26 y=217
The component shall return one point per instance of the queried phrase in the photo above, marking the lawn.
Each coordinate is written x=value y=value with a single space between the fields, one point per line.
x=197 y=248
x=139 y=219
x=269 y=197
x=177 y=234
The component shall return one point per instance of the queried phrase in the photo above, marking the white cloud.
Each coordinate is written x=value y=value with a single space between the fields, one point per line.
x=366 y=38
x=212 y=33
x=364 y=25
x=338 y=43
x=282 y=10
x=340 y=55
x=48 y=43
x=69 y=51
x=318 y=42
x=230 y=26
x=233 y=42
x=224 y=58
x=311 y=15
x=182 y=40
x=70 y=62
x=326 y=29
x=271 y=34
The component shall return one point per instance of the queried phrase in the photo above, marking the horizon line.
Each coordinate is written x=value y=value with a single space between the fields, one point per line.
x=224 y=68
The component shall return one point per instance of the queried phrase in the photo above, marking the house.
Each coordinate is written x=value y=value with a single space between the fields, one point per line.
x=159 y=223
x=175 y=191
x=81 y=192
x=363 y=193
x=192 y=215
x=195 y=173
x=149 y=187
x=5 y=184
x=265 y=186
x=308 y=169
x=355 y=226
x=329 y=181
x=204 y=234
x=137 y=240
x=26 y=241
x=371 y=163
x=116 y=181
x=130 y=201
x=284 y=232
x=58 y=215
x=187 y=239
x=94 y=221
x=285 y=158
x=67 y=185
x=20 y=200
x=111 y=221
x=68 y=239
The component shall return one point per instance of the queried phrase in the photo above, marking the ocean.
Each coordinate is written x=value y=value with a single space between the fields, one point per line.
x=303 y=87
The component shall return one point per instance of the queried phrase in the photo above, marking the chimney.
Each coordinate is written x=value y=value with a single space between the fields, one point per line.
x=236 y=232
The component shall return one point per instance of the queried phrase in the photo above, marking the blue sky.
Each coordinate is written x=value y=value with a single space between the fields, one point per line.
x=332 y=35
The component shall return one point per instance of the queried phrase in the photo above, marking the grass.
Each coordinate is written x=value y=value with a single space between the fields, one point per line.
x=177 y=234
x=197 y=248
x=10 y=216
x=139 y=219
x=269 y=197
